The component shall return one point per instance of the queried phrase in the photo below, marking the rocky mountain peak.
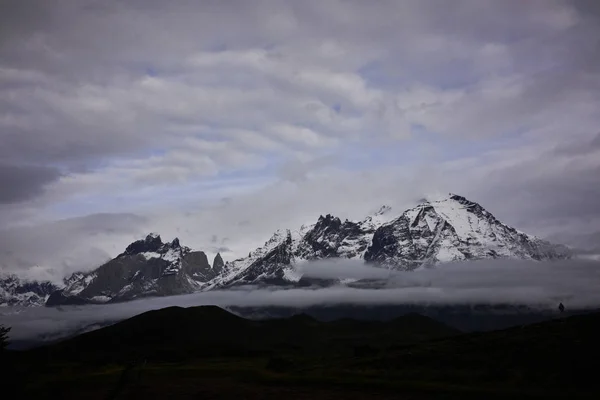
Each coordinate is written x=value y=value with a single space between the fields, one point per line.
x=152 y=243
x=218 y=264
x=384 y=209
x=147 y=267
x=459 y=198
x=153 y=246
x=328 y=221
x=470 y=206
x=451 y=229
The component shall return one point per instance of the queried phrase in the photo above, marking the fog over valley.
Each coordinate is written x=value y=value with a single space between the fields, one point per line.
x=541 y=286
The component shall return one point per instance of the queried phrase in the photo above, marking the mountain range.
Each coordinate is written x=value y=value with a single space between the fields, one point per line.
x=16 y=291
x=446 y=230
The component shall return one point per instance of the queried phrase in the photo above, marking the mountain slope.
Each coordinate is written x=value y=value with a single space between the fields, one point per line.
x=451 y=229
x=148 y=267
x=276 y=261
x=185 y=333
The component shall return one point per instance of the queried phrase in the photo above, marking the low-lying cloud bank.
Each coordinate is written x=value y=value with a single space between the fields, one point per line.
x=539 y=285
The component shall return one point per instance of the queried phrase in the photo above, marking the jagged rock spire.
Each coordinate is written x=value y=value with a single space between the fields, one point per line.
x=218 y=264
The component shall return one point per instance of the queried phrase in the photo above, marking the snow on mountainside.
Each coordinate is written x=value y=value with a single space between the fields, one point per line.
x=276 y=262
x=450 y=229
x=328 y=237
x=18 y=292
x=148 y=267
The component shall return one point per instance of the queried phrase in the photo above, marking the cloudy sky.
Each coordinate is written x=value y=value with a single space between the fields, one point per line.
x=220 y=121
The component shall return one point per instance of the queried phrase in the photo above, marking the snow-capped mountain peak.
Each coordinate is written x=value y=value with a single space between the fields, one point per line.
x=452 y=229
x=384 y=209
x=449 y=228
x=146 y=267
x=15 y=291
x=381 y=216
x=152 y=247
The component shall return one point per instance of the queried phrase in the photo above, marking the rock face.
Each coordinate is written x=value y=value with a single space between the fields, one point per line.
x=267 y=265
x=451 y=229
x=147 y=267
x=276 y=261
x=18 y=292
x=218 y=264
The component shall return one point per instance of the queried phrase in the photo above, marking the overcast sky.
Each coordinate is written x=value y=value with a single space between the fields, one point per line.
x=220 y=121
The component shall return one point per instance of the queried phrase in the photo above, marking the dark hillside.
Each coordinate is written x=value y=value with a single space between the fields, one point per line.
x=207 y=352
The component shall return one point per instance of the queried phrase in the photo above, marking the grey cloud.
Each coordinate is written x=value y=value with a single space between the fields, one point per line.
x=587 y=243
x=23 y=182
x=579 y=148
x=106 y=115
x=540 y=285
x=100 y=107
x=66 y=246
x=542 y=190
x=130 y=97
x=297 y=170
x=343 y=269
x=221 y=249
